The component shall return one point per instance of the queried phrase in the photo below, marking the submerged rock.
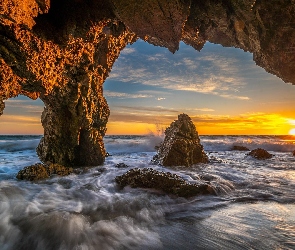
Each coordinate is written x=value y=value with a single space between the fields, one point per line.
x=240 y=148
x=167 y=182
x=260 y=154
x=121 y=165
x=181 y=146
x=41 y=171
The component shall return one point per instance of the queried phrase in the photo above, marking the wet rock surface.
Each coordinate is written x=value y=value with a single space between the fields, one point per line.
x=181 y=145
x=164 y=181
x=260 y=154
x=62 y=52
x=121 y=165
x=41 y=171
x=240 y=148
x=294 y=153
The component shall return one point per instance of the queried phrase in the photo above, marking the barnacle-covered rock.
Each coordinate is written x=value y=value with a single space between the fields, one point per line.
x=181 y=146
x=260 y=154
x=41 y=171
x=164 y=181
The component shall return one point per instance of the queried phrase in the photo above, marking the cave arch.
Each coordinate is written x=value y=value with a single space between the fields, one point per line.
x=66 y=67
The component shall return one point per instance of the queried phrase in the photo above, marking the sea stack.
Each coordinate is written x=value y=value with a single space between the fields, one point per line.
x=181 y=146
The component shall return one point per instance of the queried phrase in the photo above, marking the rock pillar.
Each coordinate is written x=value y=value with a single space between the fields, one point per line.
x=181 y=146
x=74 y=121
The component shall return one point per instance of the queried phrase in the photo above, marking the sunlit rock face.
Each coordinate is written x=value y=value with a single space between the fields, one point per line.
x=62 y=52
x=181 y=146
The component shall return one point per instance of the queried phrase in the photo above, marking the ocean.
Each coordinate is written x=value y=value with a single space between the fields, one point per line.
x=254 y=208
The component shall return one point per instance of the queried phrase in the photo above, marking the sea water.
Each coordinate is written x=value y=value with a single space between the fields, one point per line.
x=254 y=208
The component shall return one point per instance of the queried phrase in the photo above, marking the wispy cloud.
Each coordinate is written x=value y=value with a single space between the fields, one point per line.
x=204 y=109
x=127 y=51
x=125 y=95
x=209 y=74
x=20 y=119
x=161 y=98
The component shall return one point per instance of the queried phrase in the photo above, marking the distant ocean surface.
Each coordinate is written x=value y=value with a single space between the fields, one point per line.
x=255 y=208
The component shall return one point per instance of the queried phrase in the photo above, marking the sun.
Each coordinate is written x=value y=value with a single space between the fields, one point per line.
x=292 y=131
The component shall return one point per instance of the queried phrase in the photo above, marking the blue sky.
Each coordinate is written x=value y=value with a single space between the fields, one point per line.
x=221 y=89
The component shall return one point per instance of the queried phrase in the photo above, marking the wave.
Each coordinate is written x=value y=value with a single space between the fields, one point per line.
x=270 y=143
x=132 y=144
x=135 y=144
x=18 y=145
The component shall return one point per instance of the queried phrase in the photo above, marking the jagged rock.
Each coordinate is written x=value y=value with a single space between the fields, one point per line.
x=181 y=145
x=240 y=148
x=294 y=153
x=167 y=182
x=260 y=154
x=41 y=171
x=62 y=52
x=121 y=165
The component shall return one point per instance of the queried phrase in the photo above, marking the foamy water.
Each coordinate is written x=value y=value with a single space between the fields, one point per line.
x=255 y=208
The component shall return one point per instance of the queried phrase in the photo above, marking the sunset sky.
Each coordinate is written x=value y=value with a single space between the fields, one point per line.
x=221 y=89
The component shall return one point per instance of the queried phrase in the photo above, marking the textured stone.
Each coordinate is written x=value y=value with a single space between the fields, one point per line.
x=62 y=52
x=157 y=22
x=181 y=145
x=294 y=153
x=260 y=154
x=42 y=171
x=167 y=182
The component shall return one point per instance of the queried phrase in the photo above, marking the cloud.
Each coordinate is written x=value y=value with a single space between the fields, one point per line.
x=20 y=119
x=124 y=95
x=156 y=57
x=161 y=98
x=204 y=109
x=291 y=121
x=145 y=110
x=244 y=98
x=127 y=51
x=208 y=74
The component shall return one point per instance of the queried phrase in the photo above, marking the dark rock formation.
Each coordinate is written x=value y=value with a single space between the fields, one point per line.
x=42 y=171
x=240 y=148
x=260 y=154
x=62 y=52
x=167 y=182
x=181 y=146
x=294 y=153
x=121 y=165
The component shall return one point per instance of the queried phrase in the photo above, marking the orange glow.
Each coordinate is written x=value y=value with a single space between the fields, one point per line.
x=244 y=124
x=139 y=124
x=129 y=128
x=21 y=125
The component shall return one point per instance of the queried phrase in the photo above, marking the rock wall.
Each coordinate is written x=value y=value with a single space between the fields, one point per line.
x=62 y=52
